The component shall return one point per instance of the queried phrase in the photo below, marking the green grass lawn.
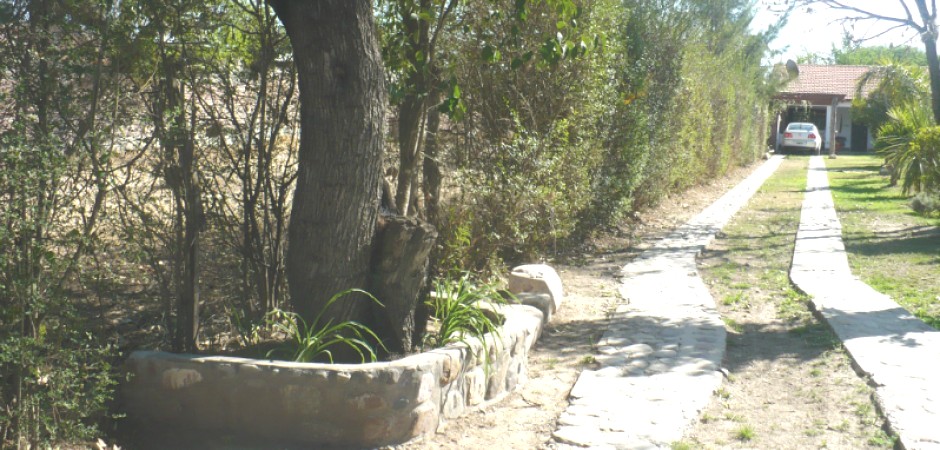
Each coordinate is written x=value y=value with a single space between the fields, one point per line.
x=890 y=247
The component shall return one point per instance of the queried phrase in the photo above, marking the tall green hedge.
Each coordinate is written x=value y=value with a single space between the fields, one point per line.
x=672 y=95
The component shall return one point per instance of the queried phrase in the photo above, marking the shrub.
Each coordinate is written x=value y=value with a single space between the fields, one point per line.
x=54 y=387
x=926 y=203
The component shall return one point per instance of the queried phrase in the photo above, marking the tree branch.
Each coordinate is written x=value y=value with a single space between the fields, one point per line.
x=892 y=28
x=910 y=17
x=839 y=5
x=445 y=11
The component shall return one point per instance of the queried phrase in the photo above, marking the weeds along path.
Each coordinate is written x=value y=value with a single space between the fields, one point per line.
x=790 y=385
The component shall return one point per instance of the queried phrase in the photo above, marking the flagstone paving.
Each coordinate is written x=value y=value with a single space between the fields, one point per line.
x=660 y=358
x=898 y=352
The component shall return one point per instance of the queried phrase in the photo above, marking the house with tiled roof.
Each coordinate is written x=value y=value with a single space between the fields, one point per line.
x=823 y=94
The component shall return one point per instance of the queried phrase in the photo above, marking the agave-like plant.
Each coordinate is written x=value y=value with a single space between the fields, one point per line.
x=456 y=309
x=909 y=142
x=307 y=342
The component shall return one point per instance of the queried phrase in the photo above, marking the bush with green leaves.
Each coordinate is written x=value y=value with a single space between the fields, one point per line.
x=926 y=203
x=520 y=200
x=665 y=98
x=54 y=388
x=308 y=342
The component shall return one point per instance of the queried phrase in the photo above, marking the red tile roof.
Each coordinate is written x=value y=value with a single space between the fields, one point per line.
x=832 y=80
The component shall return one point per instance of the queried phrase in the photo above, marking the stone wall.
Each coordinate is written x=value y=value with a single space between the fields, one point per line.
x=342 y=405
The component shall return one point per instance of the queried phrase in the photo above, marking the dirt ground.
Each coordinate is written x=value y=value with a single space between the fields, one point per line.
x=526 y=418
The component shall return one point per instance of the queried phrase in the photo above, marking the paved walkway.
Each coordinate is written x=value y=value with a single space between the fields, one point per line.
x=899 y=353
x=661 y=355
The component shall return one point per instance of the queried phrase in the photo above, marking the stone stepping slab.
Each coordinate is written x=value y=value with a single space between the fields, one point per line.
x=661 y=355
x=899 y=353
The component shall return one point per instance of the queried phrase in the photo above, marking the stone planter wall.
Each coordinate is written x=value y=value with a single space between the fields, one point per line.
x=343 y=405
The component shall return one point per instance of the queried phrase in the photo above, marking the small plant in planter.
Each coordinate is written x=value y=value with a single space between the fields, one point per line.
x=313 y=341
x=457 y=312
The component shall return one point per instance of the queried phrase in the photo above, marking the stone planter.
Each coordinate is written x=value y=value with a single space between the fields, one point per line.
x=313 y=404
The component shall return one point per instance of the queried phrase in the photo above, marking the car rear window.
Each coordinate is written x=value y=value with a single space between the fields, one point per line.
x=799 y=127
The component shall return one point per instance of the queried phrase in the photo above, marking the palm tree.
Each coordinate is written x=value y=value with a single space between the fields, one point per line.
x=910 y=144
x=893 y=84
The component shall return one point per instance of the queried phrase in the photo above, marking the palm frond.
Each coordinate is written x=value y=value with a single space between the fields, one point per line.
x=910 y=144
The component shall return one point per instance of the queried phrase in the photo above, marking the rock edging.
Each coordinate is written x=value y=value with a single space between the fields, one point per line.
x=345 y=405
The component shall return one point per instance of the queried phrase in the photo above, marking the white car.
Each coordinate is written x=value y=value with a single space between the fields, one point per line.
x=801 y=135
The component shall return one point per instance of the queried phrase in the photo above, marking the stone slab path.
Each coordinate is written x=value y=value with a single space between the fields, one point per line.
x=899 y=353
x=661 y=354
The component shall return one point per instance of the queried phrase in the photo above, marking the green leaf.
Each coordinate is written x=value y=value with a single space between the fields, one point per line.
x=490 y=54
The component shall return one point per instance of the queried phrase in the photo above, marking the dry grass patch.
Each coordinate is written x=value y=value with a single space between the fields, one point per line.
x=790 y=384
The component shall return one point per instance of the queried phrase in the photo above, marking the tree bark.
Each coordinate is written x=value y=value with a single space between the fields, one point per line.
x=933 y=68
x=188 y=310
x=410 y=116
x=433 y=178
x=399 y=275
x=928 y=34
x=342 y=114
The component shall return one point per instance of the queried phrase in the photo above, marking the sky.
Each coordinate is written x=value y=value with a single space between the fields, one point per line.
x=817 y=30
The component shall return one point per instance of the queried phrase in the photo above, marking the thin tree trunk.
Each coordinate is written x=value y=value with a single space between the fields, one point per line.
x=188 y=309
x=933 y=68
x=411 y=113
x=410 y=116
x=342 y=102
x=432 y=167
x=176 y=140
x=928 y=34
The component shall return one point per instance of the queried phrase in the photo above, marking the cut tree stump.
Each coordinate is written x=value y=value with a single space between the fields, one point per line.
x=399 y=274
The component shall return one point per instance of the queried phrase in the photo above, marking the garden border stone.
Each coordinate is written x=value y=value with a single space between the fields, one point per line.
x=342 y=405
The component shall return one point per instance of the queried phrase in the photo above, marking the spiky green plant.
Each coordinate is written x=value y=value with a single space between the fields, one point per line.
x=456 y=309
x=307 y=342
x=910 y=144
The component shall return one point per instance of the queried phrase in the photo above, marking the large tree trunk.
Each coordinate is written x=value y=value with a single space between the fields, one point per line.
x=342 y=114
